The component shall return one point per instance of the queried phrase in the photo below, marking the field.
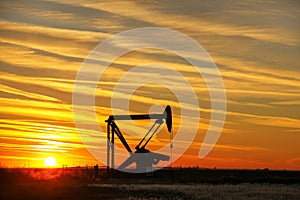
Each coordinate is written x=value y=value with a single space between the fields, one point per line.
x=81 y=183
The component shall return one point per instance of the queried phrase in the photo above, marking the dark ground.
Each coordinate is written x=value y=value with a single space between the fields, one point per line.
x=80 y=183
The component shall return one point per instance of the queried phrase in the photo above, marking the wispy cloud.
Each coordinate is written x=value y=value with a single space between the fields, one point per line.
x=254 y=44
x=151 y=13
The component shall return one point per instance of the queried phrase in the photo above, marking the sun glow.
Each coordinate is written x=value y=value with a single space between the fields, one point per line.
x=50 y=161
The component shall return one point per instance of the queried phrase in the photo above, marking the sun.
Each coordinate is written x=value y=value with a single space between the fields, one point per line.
x=50 y=161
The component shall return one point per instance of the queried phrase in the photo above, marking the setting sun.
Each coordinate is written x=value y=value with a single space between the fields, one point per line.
x=50 y=161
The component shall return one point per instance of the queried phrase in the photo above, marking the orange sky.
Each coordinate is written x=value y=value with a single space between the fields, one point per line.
x=254 y=44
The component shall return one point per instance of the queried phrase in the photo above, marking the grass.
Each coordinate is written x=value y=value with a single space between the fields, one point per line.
x=210 y=191
x=80 y=183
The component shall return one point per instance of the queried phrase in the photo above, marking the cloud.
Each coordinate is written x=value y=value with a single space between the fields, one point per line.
x=43 y=43
x=63 y=42
x=176 y=19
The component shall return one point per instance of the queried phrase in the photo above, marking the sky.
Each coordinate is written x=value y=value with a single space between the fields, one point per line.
x=255 y=45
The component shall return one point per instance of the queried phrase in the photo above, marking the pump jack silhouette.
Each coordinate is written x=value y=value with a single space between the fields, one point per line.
x=142 y=157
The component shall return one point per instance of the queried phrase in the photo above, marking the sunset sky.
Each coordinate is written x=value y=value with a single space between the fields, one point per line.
x=255 y=44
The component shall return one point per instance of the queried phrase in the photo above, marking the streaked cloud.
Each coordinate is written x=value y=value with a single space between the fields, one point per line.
x=254 y=44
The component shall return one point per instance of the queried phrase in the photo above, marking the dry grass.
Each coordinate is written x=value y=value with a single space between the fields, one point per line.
x=81 y=184
x=207 y=191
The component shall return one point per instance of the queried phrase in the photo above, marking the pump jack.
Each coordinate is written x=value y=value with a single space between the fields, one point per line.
x=143 y=158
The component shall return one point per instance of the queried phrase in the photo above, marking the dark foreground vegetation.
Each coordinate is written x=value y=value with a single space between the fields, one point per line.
x=83 y=183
